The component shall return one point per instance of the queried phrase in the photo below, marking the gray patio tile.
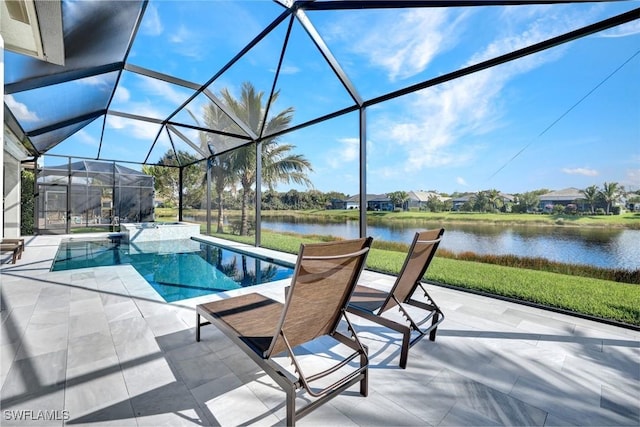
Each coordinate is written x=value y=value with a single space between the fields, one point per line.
x=171 y=405
x=591 y=369
x=215 y=388
x=190 y=350
x=166 y=323
x=125 y=309
x=15 y=324
x=90 y=349
x=99 y=394
x=491 y=403
x=461 y=415
x=110 y=297
x=627 y=406
x=150 y=308
x=53 y=299
x=116 y=415
x=522 y=362
x=87 y=323
x=374 y=410
x=147 y=373
x=555 y=421
x=34 y=410
x=85 y=302
x=39 y=340
x=237 y=405
x=411 y=392
x=23 y=294
x=563 y=398
x=128 y=331
x=199 y=370
x=44 y=318
x=33 y=377
x=7 y=354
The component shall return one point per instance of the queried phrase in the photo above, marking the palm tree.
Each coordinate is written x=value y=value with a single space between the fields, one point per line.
x=494 y=198
x=398 y=198
x=611 y=193
x=221 y=165
x=278 y=164
x=591 y=195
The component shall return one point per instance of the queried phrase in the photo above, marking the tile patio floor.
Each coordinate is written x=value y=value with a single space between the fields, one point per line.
x=100 y=347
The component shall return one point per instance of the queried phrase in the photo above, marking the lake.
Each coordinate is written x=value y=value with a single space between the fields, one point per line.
x=601 y=247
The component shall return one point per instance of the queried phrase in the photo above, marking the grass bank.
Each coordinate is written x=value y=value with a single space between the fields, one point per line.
x=626 y=220
x=604 y=299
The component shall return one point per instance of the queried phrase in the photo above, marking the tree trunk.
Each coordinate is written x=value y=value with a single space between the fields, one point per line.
x=244 y=220
x=220 y=228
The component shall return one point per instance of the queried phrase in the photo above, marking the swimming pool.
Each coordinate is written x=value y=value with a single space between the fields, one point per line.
x=176 y=269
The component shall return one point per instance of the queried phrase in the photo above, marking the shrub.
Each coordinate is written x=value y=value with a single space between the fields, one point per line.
x=600 y=211
x=27 y=201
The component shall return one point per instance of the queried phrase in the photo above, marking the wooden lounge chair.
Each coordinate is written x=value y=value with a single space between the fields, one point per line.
x=324 y=278
x=372 y=303
x=19 y=242
x=14 y=247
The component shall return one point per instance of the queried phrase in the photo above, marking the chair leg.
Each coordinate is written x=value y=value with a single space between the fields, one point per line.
x=432 y=334
x=404 y=352
x=197 y=327
x=364 y=383
x=291 y=407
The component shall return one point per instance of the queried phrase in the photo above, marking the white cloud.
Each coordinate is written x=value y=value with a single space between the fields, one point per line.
x=100 y=81
x=122 y=94
x=20 y=110
x=138 y=129
x=182 y=35
x=580 y=171
x=189 y=44
x=288 y=69
x=85 y=138
x=624 y=30
x=460 y=180
x=151 y=23
x=348 y=151
x=409 y=42
x=440 y=117
x=436 y=122
x=632 y=179
x=164 y=90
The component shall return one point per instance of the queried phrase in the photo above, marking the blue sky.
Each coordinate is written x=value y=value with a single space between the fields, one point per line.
x=561 y=118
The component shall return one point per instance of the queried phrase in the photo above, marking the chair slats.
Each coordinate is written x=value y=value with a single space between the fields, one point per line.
x=372 y=303
x=323 y=281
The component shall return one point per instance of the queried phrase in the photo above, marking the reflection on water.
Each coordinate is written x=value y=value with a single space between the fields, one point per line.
x=608 y=248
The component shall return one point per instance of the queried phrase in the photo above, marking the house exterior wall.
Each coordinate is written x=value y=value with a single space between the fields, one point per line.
x=11 y=193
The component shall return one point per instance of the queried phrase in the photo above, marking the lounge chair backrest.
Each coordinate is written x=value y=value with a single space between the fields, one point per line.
x=421 y=252
x=324 y=278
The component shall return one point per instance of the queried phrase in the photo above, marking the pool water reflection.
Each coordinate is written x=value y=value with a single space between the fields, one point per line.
x=176 y=269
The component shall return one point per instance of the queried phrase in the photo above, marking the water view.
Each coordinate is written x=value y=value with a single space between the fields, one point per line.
x=607 y=248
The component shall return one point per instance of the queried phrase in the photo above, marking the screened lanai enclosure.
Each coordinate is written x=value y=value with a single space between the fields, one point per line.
x=91 y=194
x=241 y=99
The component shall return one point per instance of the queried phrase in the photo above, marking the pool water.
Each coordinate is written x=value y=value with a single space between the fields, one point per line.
x=176 y=269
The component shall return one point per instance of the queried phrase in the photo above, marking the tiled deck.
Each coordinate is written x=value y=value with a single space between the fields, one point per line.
x=100 y=347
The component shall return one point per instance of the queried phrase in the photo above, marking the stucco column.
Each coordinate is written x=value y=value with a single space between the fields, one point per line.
x=2 y=133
